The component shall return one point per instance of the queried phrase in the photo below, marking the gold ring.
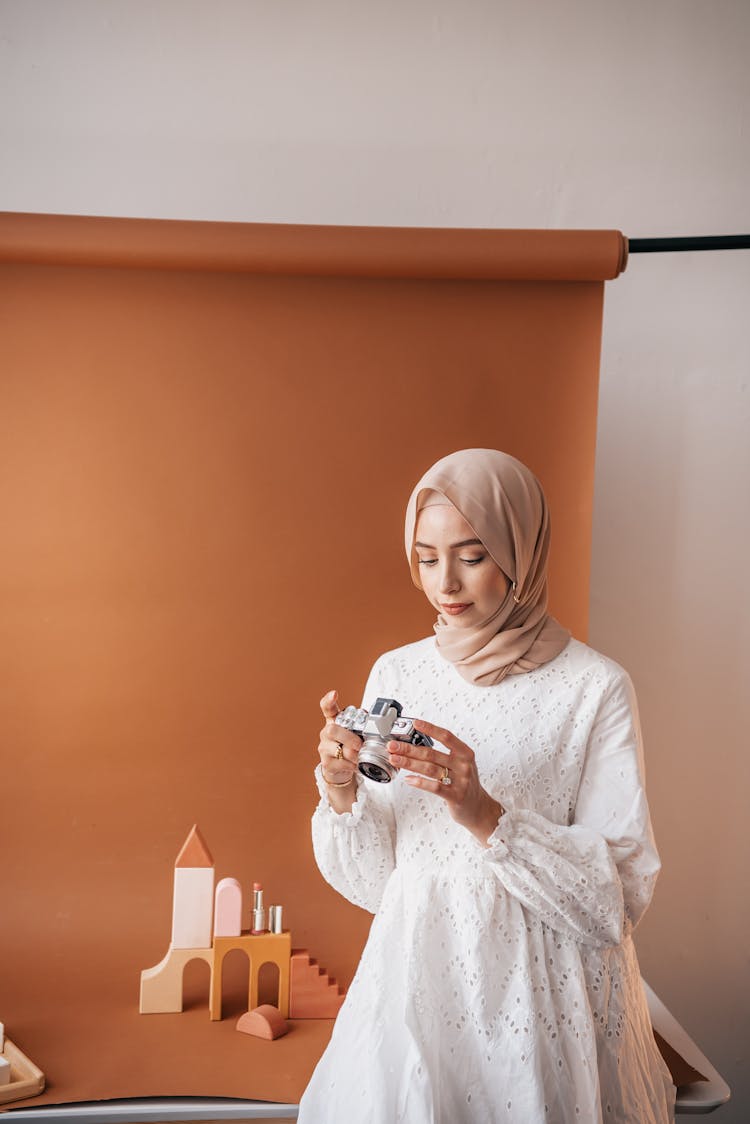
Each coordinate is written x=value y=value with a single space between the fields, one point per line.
x=339 y=751
x=446 y=777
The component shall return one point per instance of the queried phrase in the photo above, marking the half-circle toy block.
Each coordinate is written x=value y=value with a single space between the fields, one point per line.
x=312 y=993
x=228 y=908
x=262 y=948
x=161 y=986
x=265 y=1021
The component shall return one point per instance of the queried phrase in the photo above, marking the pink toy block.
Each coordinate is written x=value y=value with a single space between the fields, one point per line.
x=228 y=908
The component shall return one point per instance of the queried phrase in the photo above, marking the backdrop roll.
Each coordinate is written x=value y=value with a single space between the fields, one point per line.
x=208 y=434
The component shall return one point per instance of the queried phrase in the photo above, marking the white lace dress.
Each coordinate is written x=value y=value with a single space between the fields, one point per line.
x=500 y=983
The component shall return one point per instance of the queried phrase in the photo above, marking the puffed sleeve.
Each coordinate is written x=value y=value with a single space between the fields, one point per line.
x=594 y=878
x=355 y=850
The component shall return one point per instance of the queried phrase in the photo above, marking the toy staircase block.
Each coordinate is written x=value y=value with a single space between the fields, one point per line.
x=312 y=993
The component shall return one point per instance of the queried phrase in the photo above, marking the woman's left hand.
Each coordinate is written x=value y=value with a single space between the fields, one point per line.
x=468 y=803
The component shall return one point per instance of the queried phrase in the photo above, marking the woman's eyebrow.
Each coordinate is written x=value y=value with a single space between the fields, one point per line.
x=453 y=546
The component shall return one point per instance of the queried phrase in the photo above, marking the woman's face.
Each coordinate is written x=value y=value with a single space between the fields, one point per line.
x=458 y=576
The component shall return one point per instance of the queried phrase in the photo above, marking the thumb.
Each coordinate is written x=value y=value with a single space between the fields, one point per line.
x=329 y=704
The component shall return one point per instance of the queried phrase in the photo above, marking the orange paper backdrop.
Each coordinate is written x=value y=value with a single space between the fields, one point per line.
x=208 y=433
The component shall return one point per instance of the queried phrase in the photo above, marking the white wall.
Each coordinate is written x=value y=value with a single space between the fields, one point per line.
x=594 y=113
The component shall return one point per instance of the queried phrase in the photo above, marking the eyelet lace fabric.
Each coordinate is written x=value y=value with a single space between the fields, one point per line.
x=499 y=983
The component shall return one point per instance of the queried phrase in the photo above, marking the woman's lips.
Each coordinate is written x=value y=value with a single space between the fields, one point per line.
x=454 y=610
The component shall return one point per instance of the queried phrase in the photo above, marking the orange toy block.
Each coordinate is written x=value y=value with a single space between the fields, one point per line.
x=265 y=1021
x=262 y=948
x=312 y=993
x=161 y=986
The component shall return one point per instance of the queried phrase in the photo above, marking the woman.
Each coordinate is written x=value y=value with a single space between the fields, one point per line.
x=508 y=863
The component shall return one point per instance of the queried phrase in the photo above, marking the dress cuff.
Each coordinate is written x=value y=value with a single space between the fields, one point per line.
x=497 y=842
x=343 y=818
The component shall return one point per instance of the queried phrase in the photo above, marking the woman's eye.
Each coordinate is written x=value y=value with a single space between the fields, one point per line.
x=427 y=561
x=473 y=561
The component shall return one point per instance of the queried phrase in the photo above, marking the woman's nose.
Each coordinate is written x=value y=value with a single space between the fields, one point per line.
x=449 y=581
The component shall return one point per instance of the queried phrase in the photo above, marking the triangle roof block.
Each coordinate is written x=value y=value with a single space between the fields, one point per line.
x=194 y=851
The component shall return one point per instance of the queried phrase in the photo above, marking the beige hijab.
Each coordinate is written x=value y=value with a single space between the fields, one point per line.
x=504 y=504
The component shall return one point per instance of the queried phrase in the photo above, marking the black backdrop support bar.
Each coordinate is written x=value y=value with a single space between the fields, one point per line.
x=709 y=242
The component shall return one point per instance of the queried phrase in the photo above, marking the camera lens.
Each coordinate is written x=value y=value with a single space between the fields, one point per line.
x=373 y=772
x=373 y=762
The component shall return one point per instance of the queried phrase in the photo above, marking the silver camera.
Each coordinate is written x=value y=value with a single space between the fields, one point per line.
x=381 y=724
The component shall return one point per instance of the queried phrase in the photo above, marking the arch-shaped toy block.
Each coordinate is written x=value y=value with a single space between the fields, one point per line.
x=263 y=948
x=161 y=986
x=228 y=908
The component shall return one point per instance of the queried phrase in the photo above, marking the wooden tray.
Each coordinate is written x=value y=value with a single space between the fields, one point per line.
x=26 y=1080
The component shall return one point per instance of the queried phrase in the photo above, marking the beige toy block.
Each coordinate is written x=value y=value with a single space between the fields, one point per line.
x=26 y=1079
x=265 y=1021
x=263 y=948
x=312 y=993
x=228 y=908
x=161 y=986
x=192 y=910
x=193 y=900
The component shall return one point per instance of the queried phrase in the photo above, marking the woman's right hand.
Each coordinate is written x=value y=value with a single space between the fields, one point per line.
x=338 y=747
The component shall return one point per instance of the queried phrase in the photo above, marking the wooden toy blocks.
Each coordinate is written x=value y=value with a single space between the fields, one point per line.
x=206 y=926
x=24 y=1078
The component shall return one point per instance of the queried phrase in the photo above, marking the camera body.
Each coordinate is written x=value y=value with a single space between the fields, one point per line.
x=382 y=723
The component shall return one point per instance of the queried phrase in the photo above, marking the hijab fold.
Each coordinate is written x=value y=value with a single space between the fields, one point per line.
x=504 y=504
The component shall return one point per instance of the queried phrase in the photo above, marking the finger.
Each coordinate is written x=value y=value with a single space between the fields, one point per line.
x=438 y=734
x=425 y=784
x=426 y=769
x=329 y=704
x=333 y=736
x=401 y=752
